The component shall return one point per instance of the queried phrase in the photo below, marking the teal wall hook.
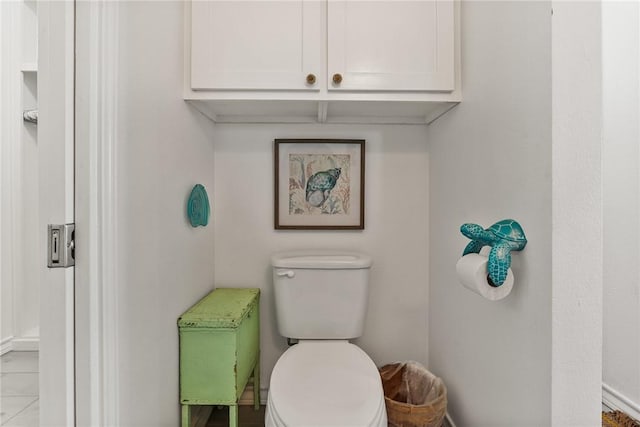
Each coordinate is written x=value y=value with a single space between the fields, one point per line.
x=198 y=206
x=503 y=236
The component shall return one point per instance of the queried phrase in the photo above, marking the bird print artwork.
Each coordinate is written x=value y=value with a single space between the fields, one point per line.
x=320 y=184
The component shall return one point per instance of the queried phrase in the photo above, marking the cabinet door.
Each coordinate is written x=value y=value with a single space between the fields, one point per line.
x=391 y=45
x=256 y=45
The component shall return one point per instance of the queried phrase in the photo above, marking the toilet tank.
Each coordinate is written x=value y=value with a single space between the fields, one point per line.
x=321 y=295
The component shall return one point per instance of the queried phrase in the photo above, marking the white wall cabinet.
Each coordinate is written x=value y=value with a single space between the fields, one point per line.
x=255 y=45
x=390 y=45
x=322 y=60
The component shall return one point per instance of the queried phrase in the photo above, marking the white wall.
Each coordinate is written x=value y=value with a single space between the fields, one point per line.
x=27 y=281
x=525 y=143
x=27 y=290
x=164 y=147
x=19 y=280
x=621 y=162
x=490 y=160
x=576 y=133
x=9 y=101
x=396 y=230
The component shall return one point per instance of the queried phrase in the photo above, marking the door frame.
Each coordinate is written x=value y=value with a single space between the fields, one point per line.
x=97 y=269
x=55 y=206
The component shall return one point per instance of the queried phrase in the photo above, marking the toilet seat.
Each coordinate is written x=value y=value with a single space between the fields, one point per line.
x=325 y=383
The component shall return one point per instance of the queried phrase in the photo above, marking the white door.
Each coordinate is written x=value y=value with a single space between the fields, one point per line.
x=56 y=206
x=256 y=45
x=390 y=45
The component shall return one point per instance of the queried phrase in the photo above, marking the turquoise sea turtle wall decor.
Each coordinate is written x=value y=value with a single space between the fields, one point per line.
x=503 y=236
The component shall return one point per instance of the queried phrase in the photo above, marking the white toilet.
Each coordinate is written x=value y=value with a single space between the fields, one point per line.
x=321 y=300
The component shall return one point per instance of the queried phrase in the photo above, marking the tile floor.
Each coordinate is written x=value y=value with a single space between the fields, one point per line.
x=19 y=396
x=19 y=404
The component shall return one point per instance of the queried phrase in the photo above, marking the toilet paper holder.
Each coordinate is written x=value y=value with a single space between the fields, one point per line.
x=503 y=237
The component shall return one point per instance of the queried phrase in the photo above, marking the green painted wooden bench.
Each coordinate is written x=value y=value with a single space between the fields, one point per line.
x=220 y=350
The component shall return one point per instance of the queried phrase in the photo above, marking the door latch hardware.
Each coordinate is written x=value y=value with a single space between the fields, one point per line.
x=61 y=245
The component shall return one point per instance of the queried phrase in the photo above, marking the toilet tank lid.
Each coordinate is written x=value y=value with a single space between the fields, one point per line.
x=338 y=260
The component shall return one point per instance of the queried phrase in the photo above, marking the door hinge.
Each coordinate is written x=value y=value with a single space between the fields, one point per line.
x=61 y=245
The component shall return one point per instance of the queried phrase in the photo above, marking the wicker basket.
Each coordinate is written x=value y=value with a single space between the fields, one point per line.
x=414 y=397
x=618 y=419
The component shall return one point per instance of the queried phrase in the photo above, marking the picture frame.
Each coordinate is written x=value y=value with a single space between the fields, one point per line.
x=319 y=184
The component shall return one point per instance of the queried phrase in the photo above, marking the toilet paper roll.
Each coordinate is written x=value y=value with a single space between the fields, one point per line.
x=472 y=273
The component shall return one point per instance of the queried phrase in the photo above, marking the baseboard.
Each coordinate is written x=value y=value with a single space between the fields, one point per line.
x=247 y=396
x=25 y=344
x=449 y=421
x=6 y=345
x=615 y=400
x=200 y=415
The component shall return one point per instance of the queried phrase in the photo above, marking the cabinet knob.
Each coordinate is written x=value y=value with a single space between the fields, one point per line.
x=337 y=78
x=311 y=79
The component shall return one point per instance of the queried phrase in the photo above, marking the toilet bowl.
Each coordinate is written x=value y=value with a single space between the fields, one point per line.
x=324 y=380
x=325 y=383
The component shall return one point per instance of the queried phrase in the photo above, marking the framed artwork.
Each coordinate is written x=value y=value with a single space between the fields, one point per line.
x=319 y=184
